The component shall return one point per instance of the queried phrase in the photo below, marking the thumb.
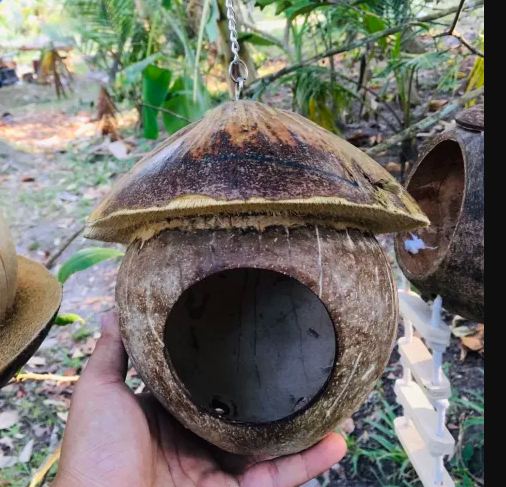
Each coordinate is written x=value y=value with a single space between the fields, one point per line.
x=109 y=362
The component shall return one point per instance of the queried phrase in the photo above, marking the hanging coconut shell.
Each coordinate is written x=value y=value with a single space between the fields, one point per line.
x=246 y=158
x=254 y=300
x=449 y=184
x=29 y=301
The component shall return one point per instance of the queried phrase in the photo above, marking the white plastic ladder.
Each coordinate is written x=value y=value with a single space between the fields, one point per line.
x=424 y=391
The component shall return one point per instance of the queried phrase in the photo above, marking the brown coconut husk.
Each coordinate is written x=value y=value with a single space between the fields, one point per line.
x=30 y=298
x=245 y=158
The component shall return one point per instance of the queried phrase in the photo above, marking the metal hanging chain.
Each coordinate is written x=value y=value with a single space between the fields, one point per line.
x=237 y=63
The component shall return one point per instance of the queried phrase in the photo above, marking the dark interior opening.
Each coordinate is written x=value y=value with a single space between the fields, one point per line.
x=251 y=345
x=439 y=188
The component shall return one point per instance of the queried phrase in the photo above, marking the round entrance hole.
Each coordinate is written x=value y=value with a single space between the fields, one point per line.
x=438 y=186
x=251 y=346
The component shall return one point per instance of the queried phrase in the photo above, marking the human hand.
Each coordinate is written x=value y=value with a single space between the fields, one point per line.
x=117 y=439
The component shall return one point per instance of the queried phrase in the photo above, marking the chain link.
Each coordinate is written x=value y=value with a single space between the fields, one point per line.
x=237 y=65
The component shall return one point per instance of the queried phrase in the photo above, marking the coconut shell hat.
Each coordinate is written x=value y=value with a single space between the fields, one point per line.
x=247 y=158
x=29 y=301
x=254 y=299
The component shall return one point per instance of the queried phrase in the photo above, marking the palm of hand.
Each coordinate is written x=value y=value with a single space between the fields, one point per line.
x=117 y=439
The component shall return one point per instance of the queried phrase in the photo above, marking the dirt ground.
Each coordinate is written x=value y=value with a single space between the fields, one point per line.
x=50 y=179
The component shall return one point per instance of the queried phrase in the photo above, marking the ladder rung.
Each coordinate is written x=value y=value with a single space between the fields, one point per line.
x=423 y=462
x=417 y=311
x=420 y=361
x=418 y=407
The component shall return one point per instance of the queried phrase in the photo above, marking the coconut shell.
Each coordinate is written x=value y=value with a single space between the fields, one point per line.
x=247 y=158
x=33 y=300
x=448 y=182
x=347 y=270
x=8 y=269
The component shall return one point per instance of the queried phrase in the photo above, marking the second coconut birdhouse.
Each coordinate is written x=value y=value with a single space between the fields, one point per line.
x=29 y=301
x=254 y=300
x=449 y=184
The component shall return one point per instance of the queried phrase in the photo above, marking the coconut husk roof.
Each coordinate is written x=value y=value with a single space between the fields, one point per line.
x=247 y=159
x=29 y=301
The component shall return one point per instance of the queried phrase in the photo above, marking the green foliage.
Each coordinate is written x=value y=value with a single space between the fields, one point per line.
x=108 y=27
x=212 y=23
x=477 y=77
x=390 y=12
x=314 y=96
x=169 y=99
x=130 y=40
x=256 y=39
x=109 y=22
x=393 y=61
x=20 y=18
x=68 y=319
x=179 y=100
x=126 y=39
x=155 y=87
x=84 y=259
x=119 y=38
x=388 y=450
x=468 y=464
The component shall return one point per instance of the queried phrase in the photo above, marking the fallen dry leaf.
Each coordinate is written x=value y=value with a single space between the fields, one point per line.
x=118 y=149
x=37 y=362
x=63 y=416
x=95 y=193
x=464 y=352
x=357 y=138
x=69 y=373
x=26 y=454
x=99 y=300
x=348 y=426
x=8 y=419
x=393 y=167
x=474 y=343
x=7 y=462
x=436 y=105
x=78 y=353
x=376 y=140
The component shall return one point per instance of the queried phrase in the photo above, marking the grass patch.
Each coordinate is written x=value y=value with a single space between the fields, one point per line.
x=377 y=457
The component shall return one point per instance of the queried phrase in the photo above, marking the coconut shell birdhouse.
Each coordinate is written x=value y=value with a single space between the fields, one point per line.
x=449 y=185
x=29 y=301
x=254 y=299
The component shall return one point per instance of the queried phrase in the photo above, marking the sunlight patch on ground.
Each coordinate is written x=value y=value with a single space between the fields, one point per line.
x=52 y=131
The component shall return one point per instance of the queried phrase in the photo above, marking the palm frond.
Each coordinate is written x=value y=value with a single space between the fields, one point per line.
x=104 y=22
